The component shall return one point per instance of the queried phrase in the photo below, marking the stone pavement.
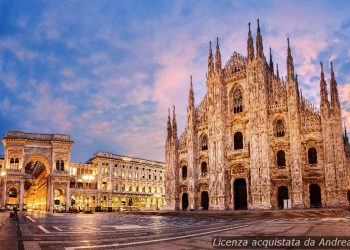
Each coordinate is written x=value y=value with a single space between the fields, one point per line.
x=318 y=212
x=41 y=230
x=8 y=231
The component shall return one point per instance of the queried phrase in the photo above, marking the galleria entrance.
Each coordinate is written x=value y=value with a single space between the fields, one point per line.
x=240 y=194
x=36 y=185
x=315 y=195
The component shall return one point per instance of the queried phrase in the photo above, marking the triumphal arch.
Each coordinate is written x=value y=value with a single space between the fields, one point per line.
x=35 y=170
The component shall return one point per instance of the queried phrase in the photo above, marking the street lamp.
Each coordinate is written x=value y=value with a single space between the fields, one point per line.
x=3 y=173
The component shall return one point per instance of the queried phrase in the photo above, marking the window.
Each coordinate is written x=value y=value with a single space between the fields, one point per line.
x=204 y=168
x=279 y=128
x=204 y=143
x=238 y=141
x=62 y=165
x=116 y=187
x=57 y=165
x=281 y=158
x=184 y=172
x=237 y=101
x=130 y=188
x=14 y=163
x=312 y=155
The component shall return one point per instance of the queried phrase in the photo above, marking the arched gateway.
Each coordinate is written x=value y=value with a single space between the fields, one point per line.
x=30 y=165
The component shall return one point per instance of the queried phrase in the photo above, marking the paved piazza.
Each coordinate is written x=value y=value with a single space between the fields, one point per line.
x=130 y=231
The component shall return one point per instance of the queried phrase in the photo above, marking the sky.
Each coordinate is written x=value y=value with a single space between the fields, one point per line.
x=106 y=72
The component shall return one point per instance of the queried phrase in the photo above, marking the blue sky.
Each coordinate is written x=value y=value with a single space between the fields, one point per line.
x=105 y=72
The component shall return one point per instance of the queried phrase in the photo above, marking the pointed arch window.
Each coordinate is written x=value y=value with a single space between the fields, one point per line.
x=280 y=130
x=237 y=98
x=204 y=143
x=312 y=155
x=281 y=158
x=238 y=141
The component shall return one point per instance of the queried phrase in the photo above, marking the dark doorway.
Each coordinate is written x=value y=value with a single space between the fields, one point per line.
x=240 y=194
x=282 y=195
x=130 y=203
x=349 y=196
x=184 y=201
x=315 y=195
x=205 y=200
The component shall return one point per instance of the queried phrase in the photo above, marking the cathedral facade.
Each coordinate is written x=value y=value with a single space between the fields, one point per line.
x=254 y=141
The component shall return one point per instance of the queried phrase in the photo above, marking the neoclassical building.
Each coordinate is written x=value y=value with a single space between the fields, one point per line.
x=255 y=142
x=37 y=174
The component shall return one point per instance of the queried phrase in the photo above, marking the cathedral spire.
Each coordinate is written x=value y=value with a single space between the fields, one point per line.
x=259 y=43
x=250 y=46
x=346 y=139
x=334 y=90
x=323 y=90
x=174 y=125
x=271 y=62
x=210 y=62
x=277 y=72
x=191 y=95
x=290 y=64
x=218 y=66
x=169 y=130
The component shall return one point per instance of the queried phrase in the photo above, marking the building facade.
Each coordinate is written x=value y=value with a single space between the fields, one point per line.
x=254 y=141
x=36 y=174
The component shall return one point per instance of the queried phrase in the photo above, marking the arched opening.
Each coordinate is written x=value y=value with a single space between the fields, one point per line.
x=130 y=202
x=205 y=200
x=281 y=158
x=349 y=196
x=185 y=201
x=59 y=201
x=12 y=197
x=315 y=195
x=240 y=194
x=282 y=195
x=184 y=172
x=312 y=155
x=204 y=168
x=35 y=186
x=238 y=141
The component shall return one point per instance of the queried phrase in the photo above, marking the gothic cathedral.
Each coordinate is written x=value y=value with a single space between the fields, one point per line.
x=254 y=141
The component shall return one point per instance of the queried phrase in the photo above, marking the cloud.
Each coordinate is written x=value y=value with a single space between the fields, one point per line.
x=107 y=72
